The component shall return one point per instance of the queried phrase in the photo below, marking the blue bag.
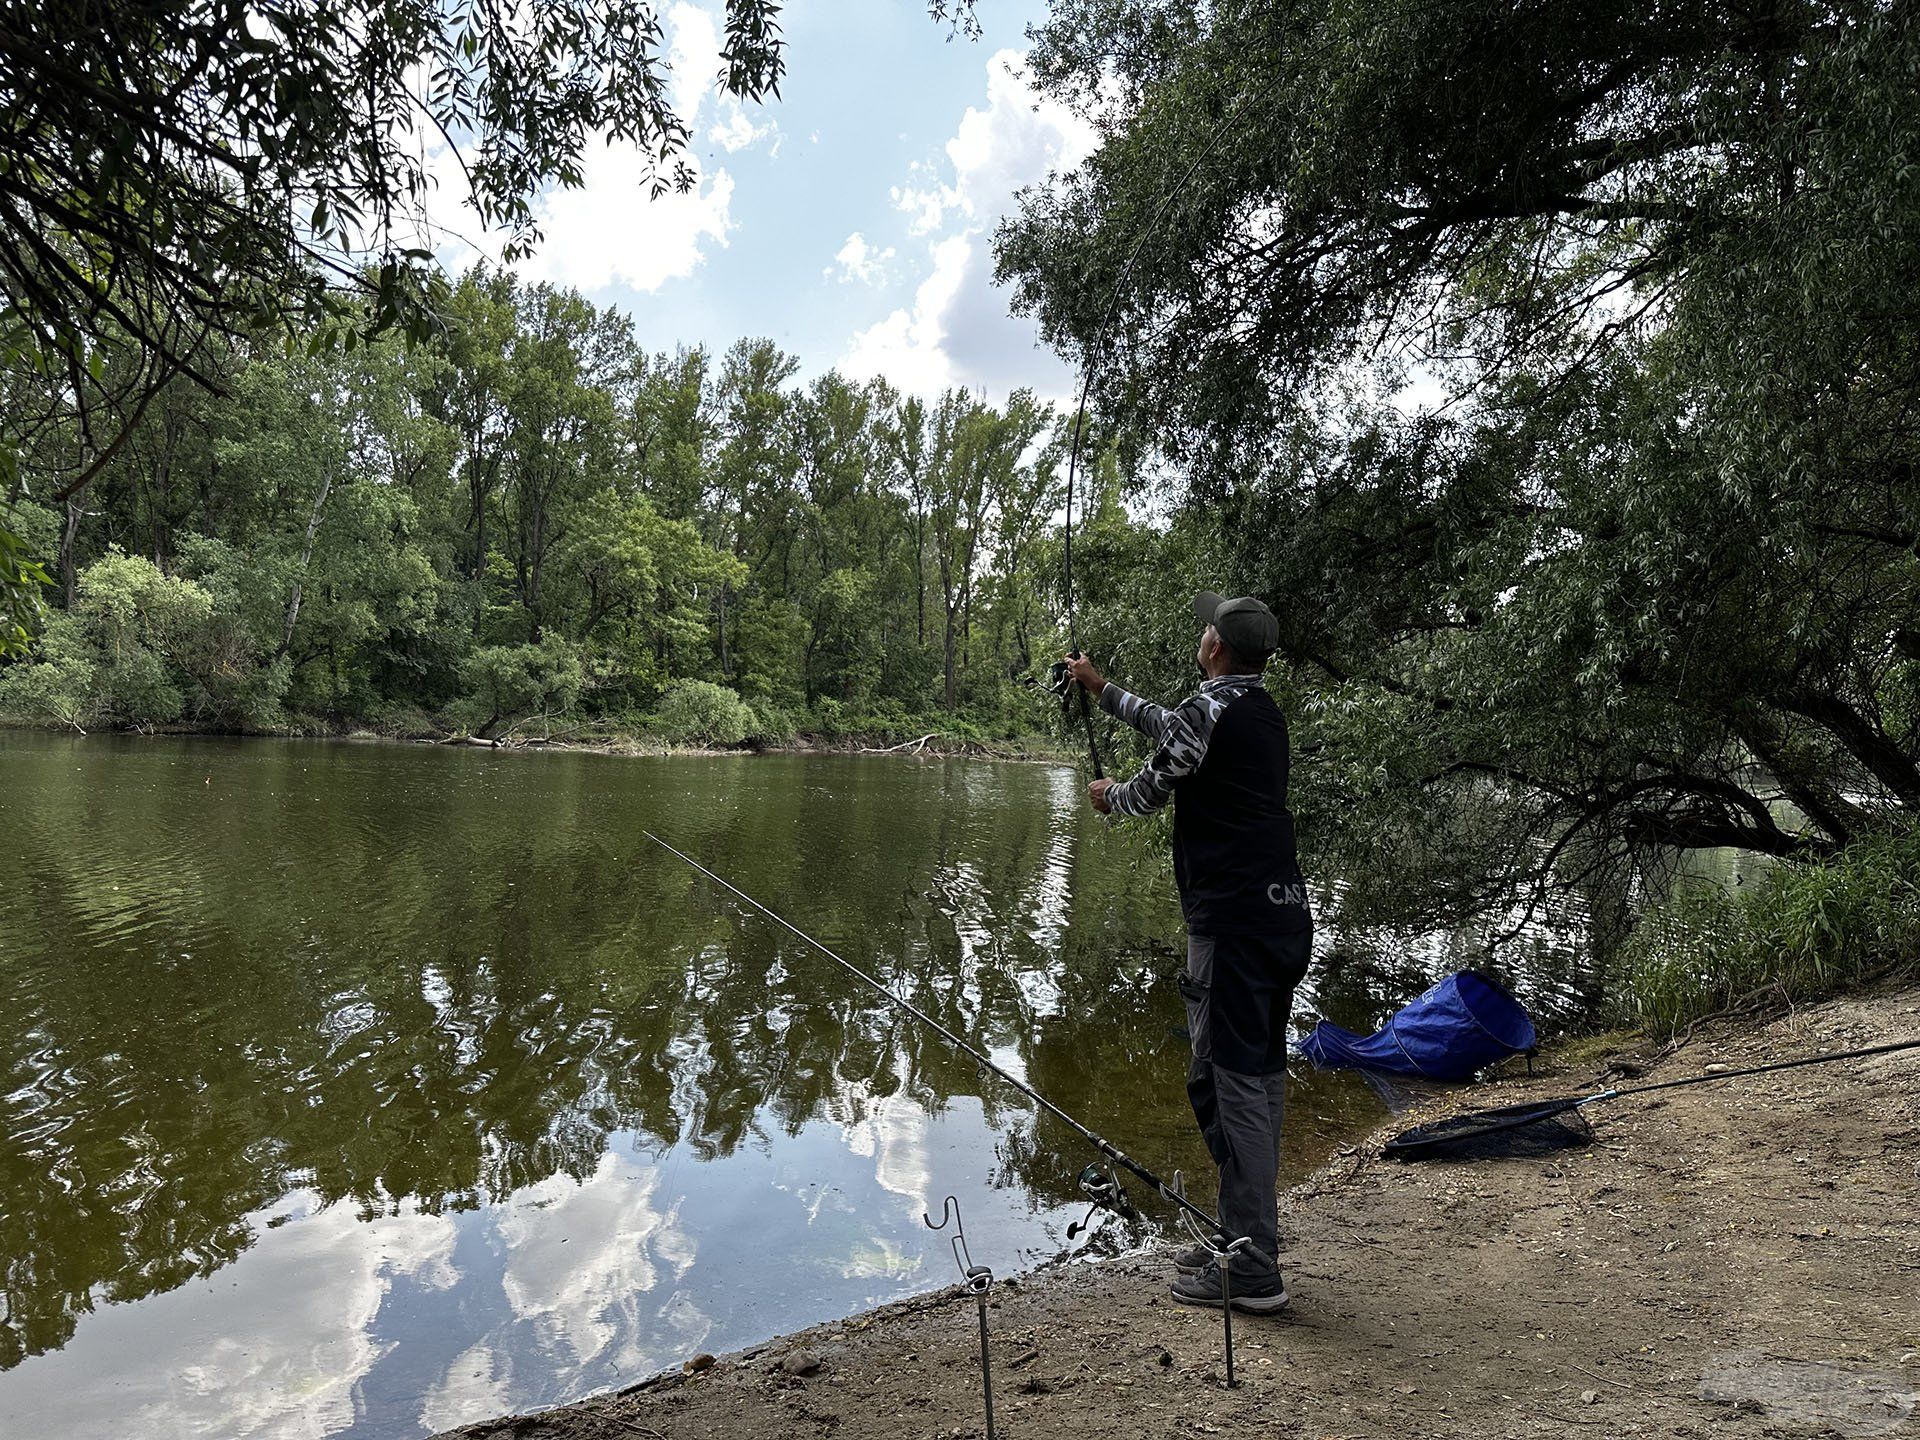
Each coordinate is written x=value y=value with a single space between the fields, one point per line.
x=1463 y=1024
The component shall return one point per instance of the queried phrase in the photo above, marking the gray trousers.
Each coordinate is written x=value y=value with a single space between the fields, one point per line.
x=1243 y=1128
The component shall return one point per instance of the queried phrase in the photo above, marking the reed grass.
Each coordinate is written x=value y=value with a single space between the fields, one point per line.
x=1804 y=932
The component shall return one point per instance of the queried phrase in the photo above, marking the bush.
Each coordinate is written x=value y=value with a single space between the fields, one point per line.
x=698 y=711
x=142 y=627
x=506 y=682
x=963 y=729
x=138 y=690
x=403 y=720
x=886 y=720
x=131 y=605
x=1804 y=931
x=775 y=724
x=56 y=683
x=828 y=718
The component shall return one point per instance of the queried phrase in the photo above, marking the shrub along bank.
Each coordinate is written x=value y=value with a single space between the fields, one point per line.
x=1805 y=931
x=144 y=649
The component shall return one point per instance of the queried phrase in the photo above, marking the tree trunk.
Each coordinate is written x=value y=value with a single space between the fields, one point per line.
x=949 y=610
x=306 y=555
x=162 y=477
x=948 y=656
x=67 y=536
x=966 y=620
x=919 y=579
x=477 y=488
x=1862 y=739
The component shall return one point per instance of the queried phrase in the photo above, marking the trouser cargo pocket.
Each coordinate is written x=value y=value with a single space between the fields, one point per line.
x=1196 y=988
x=1204 y=1095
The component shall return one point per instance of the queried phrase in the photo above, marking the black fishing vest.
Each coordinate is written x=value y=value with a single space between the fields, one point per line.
x=1233 y=847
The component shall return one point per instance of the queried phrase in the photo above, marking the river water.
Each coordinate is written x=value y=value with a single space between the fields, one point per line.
x=365 y=1090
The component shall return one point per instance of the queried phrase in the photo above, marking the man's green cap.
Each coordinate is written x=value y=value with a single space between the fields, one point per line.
x=1245 y=625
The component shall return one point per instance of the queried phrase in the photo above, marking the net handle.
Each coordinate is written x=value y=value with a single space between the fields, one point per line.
x=1826 y=1059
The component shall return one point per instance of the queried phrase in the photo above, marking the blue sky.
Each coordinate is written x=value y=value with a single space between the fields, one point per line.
x=851 y=219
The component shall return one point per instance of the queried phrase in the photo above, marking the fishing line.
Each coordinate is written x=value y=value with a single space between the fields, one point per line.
x=1099 y=1142
x=1103 y=333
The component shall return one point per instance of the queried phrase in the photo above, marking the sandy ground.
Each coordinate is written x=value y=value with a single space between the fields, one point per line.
x=1723 y=1261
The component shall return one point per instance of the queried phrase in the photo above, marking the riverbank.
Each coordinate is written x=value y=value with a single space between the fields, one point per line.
x=929 y=745
x=1726 y=1261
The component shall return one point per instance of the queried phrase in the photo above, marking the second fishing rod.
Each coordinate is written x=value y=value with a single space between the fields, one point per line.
x=1170 y=1193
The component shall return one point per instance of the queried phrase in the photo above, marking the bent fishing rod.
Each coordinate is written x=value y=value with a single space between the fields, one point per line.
x=1099 y=1142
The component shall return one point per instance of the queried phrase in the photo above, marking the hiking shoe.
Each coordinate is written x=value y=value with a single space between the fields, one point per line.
x=1254 y=1294
x=1192 y=1260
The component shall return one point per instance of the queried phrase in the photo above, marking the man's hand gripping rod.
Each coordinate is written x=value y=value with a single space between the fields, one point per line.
x=1061 y=682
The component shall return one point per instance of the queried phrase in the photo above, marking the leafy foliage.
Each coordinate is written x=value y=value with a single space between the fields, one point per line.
x=1552 y=373
x=699 y=710
x=21 y=581
x=1801 y=934
x=534 y=517
x=174 y=170
x=60 y=686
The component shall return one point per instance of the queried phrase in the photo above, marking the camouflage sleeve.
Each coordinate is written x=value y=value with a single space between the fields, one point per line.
x=1183 y=744
x=1143 y=715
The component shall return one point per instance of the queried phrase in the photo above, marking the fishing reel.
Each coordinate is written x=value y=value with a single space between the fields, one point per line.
x=1060 y=680
x=1100 y=1185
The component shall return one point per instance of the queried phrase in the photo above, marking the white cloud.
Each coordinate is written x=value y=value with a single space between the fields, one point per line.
x=994 y=152
x=906 y=347
x=272 y=1349
x=858 y=261
x=694 y=55
x=958 y=331
x=735 y=132
x=924 y=206
x=611 y=227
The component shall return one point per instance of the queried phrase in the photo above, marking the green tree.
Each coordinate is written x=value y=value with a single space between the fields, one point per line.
x=569 y=362
x=902 y=435
x=638 y=587
x=179 y=176
x=469 y=396
x=1550 y=372
x=673 y=431
x=750 y=500
x=975 y=455
x=514 y=682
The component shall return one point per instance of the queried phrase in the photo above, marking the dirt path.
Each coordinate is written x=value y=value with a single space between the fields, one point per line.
x=1725 y=1261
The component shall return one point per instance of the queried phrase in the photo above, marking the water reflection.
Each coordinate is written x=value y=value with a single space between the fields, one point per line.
x=365 y=1090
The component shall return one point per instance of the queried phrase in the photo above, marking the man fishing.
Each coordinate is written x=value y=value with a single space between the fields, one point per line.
x=1221 y=757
